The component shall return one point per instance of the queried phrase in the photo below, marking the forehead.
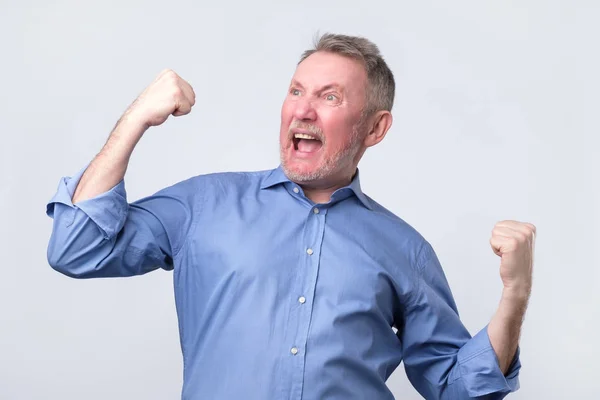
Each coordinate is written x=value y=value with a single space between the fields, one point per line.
x=322 y=68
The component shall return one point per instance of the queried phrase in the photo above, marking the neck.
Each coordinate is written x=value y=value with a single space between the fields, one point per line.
x=320 y=196
x=320 y=193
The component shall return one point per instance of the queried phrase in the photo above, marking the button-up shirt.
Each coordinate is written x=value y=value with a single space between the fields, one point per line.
x=281 y=298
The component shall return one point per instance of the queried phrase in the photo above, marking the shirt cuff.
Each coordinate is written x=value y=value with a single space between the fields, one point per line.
x=480 y=370
x=107 y=210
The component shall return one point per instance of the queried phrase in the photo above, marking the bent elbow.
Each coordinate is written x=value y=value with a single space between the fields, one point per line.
x=60 y=263
x=74 y=261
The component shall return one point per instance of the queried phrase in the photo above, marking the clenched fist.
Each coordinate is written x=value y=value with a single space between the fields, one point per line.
x=514 y=242
x=168 y=95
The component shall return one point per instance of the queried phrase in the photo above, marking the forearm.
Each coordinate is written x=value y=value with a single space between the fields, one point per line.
x=109 y=166
x=504 y=329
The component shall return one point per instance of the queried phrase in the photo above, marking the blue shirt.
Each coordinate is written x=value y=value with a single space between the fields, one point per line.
x=281 y=298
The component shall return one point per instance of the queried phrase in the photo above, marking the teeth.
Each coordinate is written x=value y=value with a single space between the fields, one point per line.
x=304 y=136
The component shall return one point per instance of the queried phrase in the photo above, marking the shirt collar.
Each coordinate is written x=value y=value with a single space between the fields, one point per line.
x=277 y=176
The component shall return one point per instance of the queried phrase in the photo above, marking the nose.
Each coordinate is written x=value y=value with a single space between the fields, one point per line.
x=305 y=111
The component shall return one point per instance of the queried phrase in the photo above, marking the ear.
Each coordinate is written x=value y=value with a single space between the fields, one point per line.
x=379 y=124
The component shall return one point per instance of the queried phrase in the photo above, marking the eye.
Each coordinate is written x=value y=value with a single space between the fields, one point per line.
x=331 y=97
x=295 y=92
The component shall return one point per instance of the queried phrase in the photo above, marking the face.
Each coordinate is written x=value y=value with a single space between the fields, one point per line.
x=320 y=140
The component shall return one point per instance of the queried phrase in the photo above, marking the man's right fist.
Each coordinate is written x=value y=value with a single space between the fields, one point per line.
x=168 y=95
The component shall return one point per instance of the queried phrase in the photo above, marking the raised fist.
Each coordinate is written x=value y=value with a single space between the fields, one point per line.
x=168 y=95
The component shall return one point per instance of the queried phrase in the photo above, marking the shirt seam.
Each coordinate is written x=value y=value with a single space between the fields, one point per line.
x=419 y=278
x=197 y=206
x=474 y=355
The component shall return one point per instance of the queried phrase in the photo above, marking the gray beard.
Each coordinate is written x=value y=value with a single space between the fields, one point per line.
x=338 y=162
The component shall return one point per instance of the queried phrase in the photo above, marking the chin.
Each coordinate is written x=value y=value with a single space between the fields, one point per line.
x=300 y=172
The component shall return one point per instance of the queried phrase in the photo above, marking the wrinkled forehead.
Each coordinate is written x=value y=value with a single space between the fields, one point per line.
x=322 y=69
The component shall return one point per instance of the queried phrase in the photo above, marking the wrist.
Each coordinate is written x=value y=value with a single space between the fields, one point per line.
x=519 y=293
x=134 y=123
x=127 y=132
x=513 y=304
x=124 y=137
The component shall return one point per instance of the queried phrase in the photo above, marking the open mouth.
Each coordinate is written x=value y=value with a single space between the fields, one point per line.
x=305 y=143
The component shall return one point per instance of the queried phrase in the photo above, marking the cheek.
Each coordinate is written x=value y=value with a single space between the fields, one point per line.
x=287 y=111
x=286 y=115
x=338 y=129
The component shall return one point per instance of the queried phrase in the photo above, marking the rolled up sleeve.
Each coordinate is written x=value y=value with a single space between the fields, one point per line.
x=480 y=371
x=441 y=359
x=107 y=210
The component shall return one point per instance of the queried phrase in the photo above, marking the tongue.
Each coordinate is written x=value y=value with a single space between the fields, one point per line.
x=308 y=145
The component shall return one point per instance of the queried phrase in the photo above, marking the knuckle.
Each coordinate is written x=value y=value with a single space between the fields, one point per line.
x=167 y=75
x=529 y=230
x=171 y=77
x=177 y=92
x=520 y=237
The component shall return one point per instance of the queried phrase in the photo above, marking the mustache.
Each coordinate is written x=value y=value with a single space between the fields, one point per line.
x=315 y=130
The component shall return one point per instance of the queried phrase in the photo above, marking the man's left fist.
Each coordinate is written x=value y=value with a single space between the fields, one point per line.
x=514 y=242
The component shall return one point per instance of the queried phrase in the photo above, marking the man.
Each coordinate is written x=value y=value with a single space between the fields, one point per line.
x=292 y=283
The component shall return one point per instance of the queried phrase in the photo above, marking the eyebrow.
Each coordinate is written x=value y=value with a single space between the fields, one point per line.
x=322 y=89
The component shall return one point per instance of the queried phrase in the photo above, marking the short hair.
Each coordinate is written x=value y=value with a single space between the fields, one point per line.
x=380 y=79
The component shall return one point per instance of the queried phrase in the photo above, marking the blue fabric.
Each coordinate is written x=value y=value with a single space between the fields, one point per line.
x=279 y=298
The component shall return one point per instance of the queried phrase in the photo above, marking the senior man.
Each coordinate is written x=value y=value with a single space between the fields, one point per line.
x=292 y=283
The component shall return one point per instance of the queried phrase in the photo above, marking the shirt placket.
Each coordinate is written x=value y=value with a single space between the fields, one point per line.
x=303 y=293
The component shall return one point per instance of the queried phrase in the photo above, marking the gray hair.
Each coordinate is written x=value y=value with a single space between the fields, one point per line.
x=381 y=85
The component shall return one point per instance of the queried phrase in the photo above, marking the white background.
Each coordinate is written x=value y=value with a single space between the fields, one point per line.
x=496 y=117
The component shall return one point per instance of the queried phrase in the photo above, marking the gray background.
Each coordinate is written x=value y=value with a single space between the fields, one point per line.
x=496 y=117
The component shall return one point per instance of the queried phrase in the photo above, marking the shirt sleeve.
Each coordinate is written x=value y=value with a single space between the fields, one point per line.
x=105 y=236
x=441 y=359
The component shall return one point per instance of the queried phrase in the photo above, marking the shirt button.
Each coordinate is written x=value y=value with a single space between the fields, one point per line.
x=309 y=252
x=302 y=299
x=294 y=350
x=296 y=190
x=316 y=210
